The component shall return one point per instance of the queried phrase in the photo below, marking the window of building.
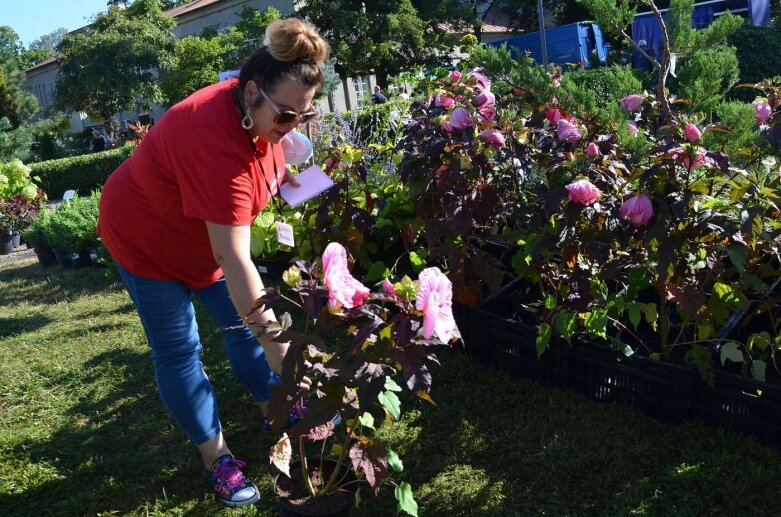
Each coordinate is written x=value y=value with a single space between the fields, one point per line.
x=362 y=90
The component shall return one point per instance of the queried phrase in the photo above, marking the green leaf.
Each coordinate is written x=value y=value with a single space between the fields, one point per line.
x=418 y=261
x=394 y=461
x=759 y=340
x=730 y=351
x=651 y=315
x=758 y=369
x=738 y=257
x=701 y=359
x=391 y=403
x=406 y=502
x=391 y=385
x=550 y=302
x=376 y=271
x=565 y=323
x=367 y=420
x=634 y=313
x=266 y=219
x=543 y=336
x=596 y=323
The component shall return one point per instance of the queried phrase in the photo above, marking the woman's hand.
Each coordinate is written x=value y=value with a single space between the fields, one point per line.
x=290 y=178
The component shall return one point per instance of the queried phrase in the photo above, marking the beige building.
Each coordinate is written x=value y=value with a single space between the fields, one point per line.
x=191 y=19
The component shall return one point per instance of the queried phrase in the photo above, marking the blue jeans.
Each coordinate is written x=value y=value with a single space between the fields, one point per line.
x=167 y=313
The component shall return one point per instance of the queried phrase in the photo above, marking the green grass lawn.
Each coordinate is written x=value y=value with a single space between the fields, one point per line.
x=83 y=432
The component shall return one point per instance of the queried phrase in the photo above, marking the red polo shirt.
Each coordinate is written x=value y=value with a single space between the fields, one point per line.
x=195 y=165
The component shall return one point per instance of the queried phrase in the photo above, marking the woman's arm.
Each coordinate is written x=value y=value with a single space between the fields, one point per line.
x=230 y=246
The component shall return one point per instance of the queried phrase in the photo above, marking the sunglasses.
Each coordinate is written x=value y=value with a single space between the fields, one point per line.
x=286 y=117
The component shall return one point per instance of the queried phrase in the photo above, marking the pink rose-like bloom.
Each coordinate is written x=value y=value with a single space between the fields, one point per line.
x=387 y=286
x=680 y=154
x=762 y=111
x=435 y=301
x=455 y=76
x=632 y=127
x=443 y=100
x=691 y=132
x=637 y=210
x=343 y=290
x=592 y=149
x=460 y=118
x=553 y=115
x=483 y=82
x=493 y=137
x=486 y=98
x=583 y=192
x=632 y=103
x=487 y=113
x=568 y=132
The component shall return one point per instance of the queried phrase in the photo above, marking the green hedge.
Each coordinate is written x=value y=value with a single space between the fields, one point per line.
x=759 y=56
x=83 y=173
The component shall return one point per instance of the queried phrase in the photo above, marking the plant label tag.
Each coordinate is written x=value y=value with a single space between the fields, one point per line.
x=285 y=234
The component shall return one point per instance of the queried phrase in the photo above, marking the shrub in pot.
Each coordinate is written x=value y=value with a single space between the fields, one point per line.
x=271 y=257
x=35 y=237
x=390 y=336
x=72 y=227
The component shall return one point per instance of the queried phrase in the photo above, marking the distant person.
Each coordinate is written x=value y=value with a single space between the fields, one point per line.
x=378 y=97
x=404 y=95
x=97 y=144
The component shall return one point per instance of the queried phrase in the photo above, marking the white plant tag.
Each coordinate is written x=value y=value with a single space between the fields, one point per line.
x=285 y=234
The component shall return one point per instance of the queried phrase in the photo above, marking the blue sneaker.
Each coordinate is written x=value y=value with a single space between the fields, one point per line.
x=296 y=414
x=229 y=483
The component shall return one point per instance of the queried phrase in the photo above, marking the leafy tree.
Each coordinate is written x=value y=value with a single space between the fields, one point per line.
x=196 y=63
x=44 y=47
x=384 y=37
x=10 y=44
x=243 y=38
x=16 y=103
x=112 y=64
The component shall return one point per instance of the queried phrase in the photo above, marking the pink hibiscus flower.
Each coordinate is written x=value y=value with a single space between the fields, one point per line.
x=434 y=300
x=568 y=132
x=460 y=118
x=493 y=137
x=443 y=100
x=583 y=192
x=343 y=290
x=632 y=103
x=691 y=132
x=637 y=210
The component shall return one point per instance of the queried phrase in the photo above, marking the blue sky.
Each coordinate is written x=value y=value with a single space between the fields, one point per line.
x=31 y=19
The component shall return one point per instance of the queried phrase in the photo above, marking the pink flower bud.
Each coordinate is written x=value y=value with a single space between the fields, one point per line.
x=493 y=137
x=485 y=99
x=455 y=76
x=556 y=81
x=555 y=114
x=568 y=132
x=460 y=118
x=637 y=210
x=592 y=149
x=762 y=111
x=692 y=133
x=632 y=127
x=632 y=103
x=387 y=286
x=517 y=92
x=583 y=192
x=443 y=100
x=446 y=126
x=691 y=159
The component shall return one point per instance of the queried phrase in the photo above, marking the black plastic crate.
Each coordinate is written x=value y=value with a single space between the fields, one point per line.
x=509 y=345
x=664 y=391
x=742 y=406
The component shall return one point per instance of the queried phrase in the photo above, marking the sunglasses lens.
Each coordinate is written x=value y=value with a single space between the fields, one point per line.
x=307 y=117
x=286 y=117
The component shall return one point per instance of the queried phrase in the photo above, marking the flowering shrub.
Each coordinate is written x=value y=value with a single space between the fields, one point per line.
x=391 y=334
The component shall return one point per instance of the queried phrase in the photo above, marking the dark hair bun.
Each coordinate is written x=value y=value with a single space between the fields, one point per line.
x=292 y=39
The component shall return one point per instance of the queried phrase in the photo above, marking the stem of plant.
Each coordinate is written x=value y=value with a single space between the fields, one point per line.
x=304 y=467
x=338 y=467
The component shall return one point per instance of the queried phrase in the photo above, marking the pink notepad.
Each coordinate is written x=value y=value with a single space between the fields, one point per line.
x=313 y=182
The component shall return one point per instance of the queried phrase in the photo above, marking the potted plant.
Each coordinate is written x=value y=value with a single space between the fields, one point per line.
x=16 y=213
x=35 y=237
x=271 y=257
x=71 y=230
x=389 y=339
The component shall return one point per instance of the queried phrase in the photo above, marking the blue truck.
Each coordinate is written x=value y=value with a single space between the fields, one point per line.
x=572 y=43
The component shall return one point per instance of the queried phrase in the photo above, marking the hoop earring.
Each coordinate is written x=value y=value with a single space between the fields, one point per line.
x=247 y=122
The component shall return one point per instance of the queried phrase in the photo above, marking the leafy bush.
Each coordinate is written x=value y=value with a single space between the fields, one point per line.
x=35 y=234
x=371 y=124
x=15 y=180
x=706 y=76
x=72 y=227
x=607 y=84
x=759 y=54
x=81 y=173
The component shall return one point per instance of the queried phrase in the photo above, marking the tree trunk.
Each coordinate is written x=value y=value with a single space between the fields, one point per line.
x=381 y=74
